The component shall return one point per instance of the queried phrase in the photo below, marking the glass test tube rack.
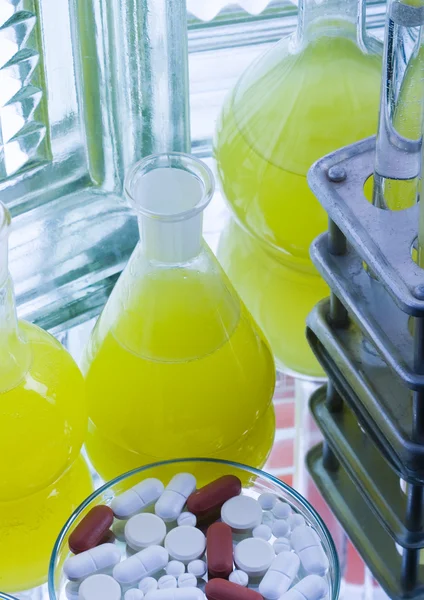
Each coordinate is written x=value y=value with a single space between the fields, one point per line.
x=369 y=338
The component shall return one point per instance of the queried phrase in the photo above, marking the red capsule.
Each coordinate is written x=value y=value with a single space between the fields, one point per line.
x=91 y=531
x=206 y=503
x=221 y=589
x=219 y=548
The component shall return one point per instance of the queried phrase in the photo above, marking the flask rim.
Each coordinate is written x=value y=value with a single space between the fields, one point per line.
x=175 y=160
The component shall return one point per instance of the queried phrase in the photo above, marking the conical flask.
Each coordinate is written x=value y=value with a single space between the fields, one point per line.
x=175 y=367
x=43 y=422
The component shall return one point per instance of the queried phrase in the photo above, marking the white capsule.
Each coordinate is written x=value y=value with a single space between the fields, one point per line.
x=262 y=531
x=187 y=518
x=281 y=545
x=91 y=561
x=267 y=501
x=296 y=520
x=187 y=593
x=100 y=586
x=239 y=577
x=305 y=542
x=137 y=498
x=268 y=518
x=172 y=500
x=279 y=576
x=197 y=568
x=280 y=528
x=311 y=587
x=148 y=584
x=187 y=580
x=144 y=530
x=281 y=510
x=134 y=594
x=175 y=568
x=167 y=581
x=147 y=562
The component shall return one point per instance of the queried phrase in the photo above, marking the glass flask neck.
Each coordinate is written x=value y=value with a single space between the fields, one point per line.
x=169 y=193
x=14 y=352
x=330 y=18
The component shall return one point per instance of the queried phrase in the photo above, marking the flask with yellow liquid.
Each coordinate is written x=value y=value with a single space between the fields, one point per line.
x=176 y=367
x=313 y=92
x=43 y=423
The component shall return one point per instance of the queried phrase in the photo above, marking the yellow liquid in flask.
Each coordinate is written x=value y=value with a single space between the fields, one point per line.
x=288 y=110
x=42 y=479
x=180 y=373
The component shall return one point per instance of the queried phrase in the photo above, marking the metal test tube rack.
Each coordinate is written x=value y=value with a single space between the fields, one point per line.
x=369 y=337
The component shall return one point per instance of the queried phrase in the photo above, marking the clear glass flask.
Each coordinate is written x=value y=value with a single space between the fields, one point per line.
x=43 y=422
x=175 y=367
x=312 y=93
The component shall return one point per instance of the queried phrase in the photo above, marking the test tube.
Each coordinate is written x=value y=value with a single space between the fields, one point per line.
x=397 y=160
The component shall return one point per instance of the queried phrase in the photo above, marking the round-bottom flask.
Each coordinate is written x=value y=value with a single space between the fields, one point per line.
x=176 y=366
x=279 y=298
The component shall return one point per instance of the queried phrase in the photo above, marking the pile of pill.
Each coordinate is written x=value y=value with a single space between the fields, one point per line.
x=220 y=542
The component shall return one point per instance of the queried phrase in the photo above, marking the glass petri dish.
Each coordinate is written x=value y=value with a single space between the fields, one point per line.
x=254 y=481
x=6 y=597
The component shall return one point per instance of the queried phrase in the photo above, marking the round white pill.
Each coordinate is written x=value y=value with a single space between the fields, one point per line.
x=197 y=568
x=166 y=582
x=100 y=586
x=144 y=530
x=296 y=520
x=254 y=556
x=268 y=518
x=280 y=528
x=267 y=501
x=262 y=531
x=187 y=580
x=241 y=512
x=185 y=543
x=148 y=584
x=187 y=518
x=239 y=577
x=134 y=594
x=175 y=568
x=281 y=544
x=281 y=510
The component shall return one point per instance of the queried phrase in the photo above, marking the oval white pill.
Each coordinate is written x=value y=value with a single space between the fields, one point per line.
x=281 y=544
x=100 y=586
x=175 y=568
x=177 y=594
x=147 y=562
x=239 y=577
x=280 y=528
x=144 y=530
x=279 y=576
x=148 y=584
x=91 y=561
x=306 y=543
x=187 y=518
x=197 y=568
x=137 y=498
x=241 y=513
x=185 y=543
x=172 y=500
x=281 y=510
x=267 y=501
x=187 y=580
x=254 y=556
x=296 y=520
x=311 y=587
x=167 y=581
x=262 y=531
x=134 y=594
